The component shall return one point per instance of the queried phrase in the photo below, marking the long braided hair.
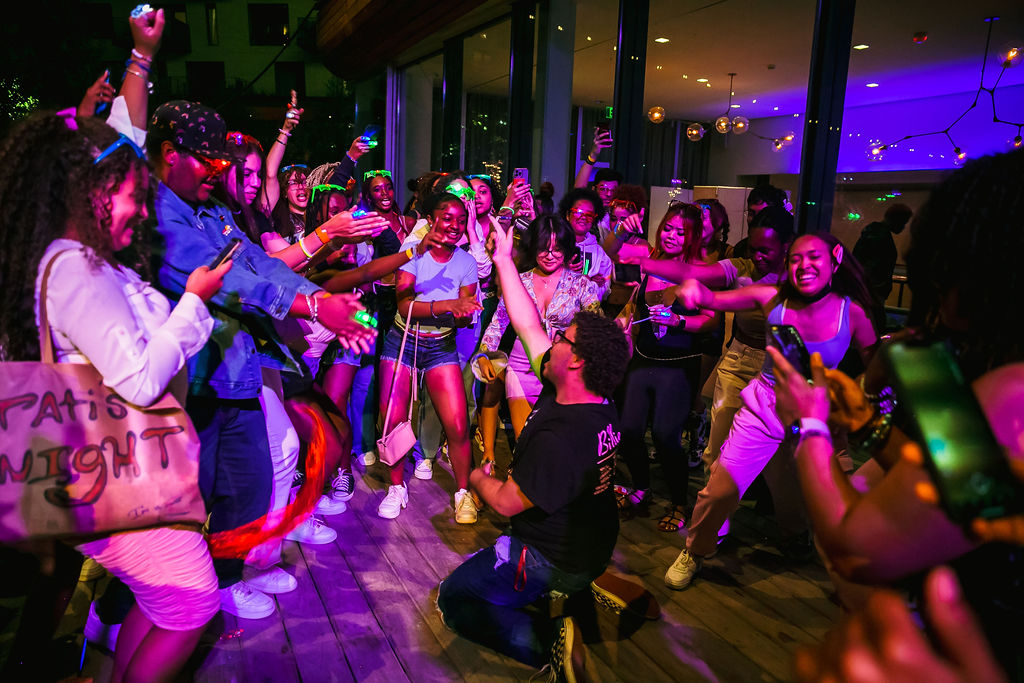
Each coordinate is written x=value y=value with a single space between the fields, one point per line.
x=49 y=186
x=964 y=259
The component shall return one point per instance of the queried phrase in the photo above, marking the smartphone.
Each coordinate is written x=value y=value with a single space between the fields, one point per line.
x=588 y=261
x=226 y=253
x=604 y=125
x=576 y=255
x=966 y=463
x=521 y=175
x=789 y=343
x=369 y=135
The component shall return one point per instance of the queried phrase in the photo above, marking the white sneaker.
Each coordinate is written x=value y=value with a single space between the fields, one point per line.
x=344 y=486
x=328 y=505
x=424 y=469
x=682 y=571
x=245 y=602
x=465 y=507
x=391 y=506
x=98 y=633
x=271 y=580
x=312 y=531
x=368 y=458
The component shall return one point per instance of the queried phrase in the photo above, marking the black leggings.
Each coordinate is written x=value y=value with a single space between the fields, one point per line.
x=664 y=392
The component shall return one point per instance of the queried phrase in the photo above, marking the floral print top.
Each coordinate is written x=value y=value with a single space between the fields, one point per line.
x=574 y=293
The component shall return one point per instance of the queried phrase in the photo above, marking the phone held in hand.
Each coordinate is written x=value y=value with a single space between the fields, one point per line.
x=789 y=343
x=588 y=261
x=576 y=255
x=604 y=125
x=521 y=176
x=226 y=253
x=966 y=463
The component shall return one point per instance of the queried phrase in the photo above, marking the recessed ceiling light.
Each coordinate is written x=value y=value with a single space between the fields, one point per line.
x=872 y=85
x=560 y=28
x=484 y=36
x=685 y=77
x=862 y=46
x=708 y=84
x=735 y=106
x=702 y=80
x=753 y=101
x=775 y=108
x=661 y=40
x=589 y=38
x=658 y=67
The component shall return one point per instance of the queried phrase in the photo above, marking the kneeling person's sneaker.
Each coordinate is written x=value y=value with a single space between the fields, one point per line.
x=396 y=499
x=246 y=602
x=682 y=571
x=465 y=507
x=343 y=487
x=568 y=659
x=424 y=469
x=312 y=531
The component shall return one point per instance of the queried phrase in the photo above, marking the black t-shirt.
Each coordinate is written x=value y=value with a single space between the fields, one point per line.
x=563 y=463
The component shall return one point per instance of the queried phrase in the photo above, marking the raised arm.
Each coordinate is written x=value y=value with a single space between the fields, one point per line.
x=602 y=140
x=522 y=311
x=147 y=30
x=271 y=189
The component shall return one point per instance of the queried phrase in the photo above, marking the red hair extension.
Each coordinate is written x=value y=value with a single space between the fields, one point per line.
x=236 y=543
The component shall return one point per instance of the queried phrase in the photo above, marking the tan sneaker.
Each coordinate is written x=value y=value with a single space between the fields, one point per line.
x=682 y=571
x=465 y=508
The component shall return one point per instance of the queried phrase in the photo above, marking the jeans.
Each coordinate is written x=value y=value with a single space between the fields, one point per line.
x=479 y=600
x=235 y=473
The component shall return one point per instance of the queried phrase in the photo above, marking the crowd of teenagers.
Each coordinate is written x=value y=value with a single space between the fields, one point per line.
x=336 y=309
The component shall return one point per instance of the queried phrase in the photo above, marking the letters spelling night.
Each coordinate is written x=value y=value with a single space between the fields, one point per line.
x=79 y=463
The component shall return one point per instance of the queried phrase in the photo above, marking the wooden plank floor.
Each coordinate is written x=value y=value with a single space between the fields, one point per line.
x=364 y=608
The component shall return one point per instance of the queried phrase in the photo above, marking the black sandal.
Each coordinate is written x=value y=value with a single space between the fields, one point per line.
x=673 y=520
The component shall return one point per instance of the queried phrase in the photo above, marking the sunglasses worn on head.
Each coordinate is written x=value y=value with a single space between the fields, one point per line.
x=293 y=167
x=371 y=174
x=461 y=192
x=480 y=176
x=120 y=142
x=623 y=204
x=324 y=188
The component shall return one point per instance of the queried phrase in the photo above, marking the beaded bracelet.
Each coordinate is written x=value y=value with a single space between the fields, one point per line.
x=872 y=436
x=137 y=63
x=286 y=133
x=139 y=55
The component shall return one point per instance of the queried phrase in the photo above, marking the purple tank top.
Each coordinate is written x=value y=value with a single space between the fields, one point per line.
x=832 y=350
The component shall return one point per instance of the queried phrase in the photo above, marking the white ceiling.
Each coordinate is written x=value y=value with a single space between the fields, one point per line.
x=709 y=39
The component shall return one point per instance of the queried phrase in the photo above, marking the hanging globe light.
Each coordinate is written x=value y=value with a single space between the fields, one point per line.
x=1011 y=53
x=876 y=150
x=788 y=137
x=740 y=125
x=723 y=125
x=959 y=157
x=694 y=132
x=656 y=114
x=777 y=145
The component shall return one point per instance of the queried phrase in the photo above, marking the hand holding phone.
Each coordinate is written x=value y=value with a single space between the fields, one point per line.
x=226 y=253
x=966 y=463
x=788 y=341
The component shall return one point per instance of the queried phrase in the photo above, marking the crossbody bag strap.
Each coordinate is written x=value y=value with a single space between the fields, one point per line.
x=398 y=363
x=46 y=353
x=414 y=375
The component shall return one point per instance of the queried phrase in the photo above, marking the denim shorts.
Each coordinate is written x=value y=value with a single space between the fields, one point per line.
x=430 y=352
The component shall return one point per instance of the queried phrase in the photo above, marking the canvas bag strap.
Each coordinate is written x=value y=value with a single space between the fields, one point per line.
x=398 y=362
x=46 y=353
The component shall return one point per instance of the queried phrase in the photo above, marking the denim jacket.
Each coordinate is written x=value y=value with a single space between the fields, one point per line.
x=257 y=286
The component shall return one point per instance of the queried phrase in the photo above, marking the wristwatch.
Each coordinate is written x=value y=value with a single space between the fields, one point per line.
x=809 y=426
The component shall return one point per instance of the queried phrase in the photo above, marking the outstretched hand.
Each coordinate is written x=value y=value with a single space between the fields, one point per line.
x=796 y=396
x=602 y=140
x=293 y=114
x=504 y=242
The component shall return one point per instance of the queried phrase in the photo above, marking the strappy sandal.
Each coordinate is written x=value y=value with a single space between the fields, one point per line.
x=630 y=503
x=673 y=519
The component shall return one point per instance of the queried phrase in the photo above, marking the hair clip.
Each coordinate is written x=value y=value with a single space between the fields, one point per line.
x=69 y=117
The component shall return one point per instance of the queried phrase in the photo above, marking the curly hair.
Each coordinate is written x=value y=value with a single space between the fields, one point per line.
x=538 y=235
x=965 y=246
x=776 y=218
x=50 y=187
x=604 y=350
x=576 y=194
x=634 y=194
